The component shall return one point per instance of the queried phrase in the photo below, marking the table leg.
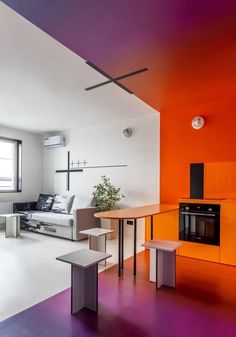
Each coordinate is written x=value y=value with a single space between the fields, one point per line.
x=122 y=244
x=119 y=248
x=151 y=230
x=135 y=245
x=84 y=288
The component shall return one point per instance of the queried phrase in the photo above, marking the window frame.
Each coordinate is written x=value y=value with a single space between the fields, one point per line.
x=18 y=165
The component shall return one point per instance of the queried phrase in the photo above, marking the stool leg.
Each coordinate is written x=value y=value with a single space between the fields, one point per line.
x=84 y=288
x=93 y=242
x=155 y=267
x=157 y=274
x=169 y=268
x=18 y=225
x=101 y=246
x=11 y=227
x=159 y=269
x=165 y=268
x=152 y=264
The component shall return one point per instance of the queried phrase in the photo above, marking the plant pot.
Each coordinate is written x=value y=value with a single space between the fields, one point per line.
x=110 y=224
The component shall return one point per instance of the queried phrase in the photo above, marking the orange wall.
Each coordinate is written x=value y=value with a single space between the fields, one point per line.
x=181 y=144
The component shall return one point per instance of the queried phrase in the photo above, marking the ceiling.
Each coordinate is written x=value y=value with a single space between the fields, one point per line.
x=188 y=46
x=42 y=83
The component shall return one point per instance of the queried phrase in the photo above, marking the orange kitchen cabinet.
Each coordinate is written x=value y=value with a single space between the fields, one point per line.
x=220 y=180
x=200 y=251
x=228 y=233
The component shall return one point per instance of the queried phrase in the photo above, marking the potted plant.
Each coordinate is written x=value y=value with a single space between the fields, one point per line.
x=106 y=196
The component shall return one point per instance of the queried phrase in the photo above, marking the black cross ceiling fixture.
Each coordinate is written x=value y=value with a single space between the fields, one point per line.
x=113 y=79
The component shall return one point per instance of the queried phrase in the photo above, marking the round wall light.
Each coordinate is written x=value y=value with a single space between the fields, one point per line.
x=198 y=122
x=127 y=133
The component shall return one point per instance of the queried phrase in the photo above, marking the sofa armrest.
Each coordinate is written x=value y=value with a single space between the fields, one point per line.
x=24 y=206
x=84 y=219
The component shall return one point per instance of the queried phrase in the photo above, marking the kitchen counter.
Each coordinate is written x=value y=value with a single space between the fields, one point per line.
x=137 y=212
x=215 y=201
x=202 y=201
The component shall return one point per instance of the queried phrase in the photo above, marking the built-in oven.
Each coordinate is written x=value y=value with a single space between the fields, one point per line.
x=199 y=223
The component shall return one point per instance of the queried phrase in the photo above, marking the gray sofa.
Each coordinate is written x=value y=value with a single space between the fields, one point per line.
x=61 y=225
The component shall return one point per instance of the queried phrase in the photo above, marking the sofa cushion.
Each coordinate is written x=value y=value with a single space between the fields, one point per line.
x=45 y=202
x=53 y=218
x=62 y=203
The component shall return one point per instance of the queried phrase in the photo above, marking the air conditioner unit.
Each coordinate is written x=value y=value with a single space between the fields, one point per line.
x=54 y=141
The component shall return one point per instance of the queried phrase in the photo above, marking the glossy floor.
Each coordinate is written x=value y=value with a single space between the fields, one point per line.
x=29 y=272
x=202 y=305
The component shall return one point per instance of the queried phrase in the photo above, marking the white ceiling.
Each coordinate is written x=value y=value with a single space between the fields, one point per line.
x=42 y=83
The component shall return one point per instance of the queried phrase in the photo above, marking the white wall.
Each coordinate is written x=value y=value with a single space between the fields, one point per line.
x=105 y=145
x=32 y=158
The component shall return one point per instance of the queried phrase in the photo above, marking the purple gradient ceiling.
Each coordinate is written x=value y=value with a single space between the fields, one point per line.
x=169 y=37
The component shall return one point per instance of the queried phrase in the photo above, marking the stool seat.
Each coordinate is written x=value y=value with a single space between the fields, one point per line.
x=97 y=231
x=163 y=261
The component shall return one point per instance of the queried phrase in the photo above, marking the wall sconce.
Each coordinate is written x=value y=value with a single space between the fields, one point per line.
x=127 y=133
x=198 y=122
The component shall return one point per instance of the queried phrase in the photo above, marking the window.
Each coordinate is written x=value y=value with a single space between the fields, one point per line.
x=10 y=165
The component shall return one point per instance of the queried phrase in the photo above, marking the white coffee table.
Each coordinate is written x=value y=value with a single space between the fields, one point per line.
x=12 y=224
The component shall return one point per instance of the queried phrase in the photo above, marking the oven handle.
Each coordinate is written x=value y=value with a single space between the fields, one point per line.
x=202 y=214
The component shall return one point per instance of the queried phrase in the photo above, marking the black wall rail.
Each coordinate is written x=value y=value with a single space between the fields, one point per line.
x=113 y=79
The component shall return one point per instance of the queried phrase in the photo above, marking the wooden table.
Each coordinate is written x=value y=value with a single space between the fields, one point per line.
x=133 y=213
x=84 y=278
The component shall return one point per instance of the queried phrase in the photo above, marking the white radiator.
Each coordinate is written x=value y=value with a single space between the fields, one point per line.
x=5 y=207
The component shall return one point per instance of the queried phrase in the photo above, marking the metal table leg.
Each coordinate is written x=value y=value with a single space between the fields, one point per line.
x=135 y=245
x=151 y=227
x=122 y=244
x=119 y=248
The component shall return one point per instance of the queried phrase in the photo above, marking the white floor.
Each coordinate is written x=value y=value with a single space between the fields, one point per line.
x=29 y=272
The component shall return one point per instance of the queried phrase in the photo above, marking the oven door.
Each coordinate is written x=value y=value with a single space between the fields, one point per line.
x=199 y=227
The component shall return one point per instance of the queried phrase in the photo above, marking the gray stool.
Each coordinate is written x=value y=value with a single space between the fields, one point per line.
x=98 y=239
x=12 y=224
x=163 y=261
x=84 y=278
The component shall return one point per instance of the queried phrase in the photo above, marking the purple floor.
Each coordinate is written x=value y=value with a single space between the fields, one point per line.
x=133 y=309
